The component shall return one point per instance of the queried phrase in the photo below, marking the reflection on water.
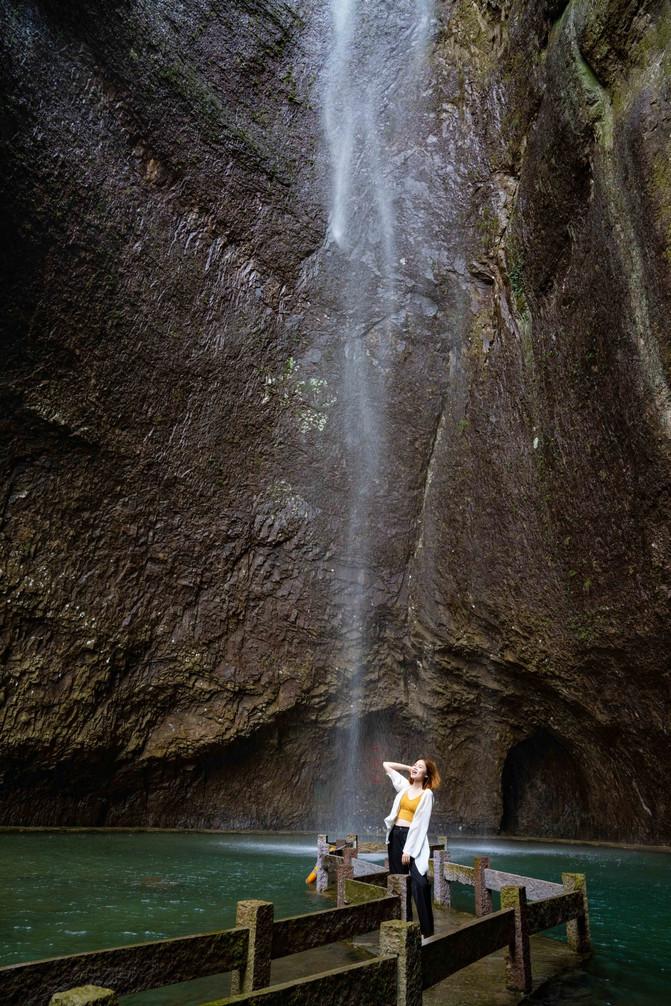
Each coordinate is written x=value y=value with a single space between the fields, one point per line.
x=70 y=892
x=249 y=846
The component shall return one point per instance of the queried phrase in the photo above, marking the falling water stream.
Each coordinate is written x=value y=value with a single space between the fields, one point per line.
x=374 y=89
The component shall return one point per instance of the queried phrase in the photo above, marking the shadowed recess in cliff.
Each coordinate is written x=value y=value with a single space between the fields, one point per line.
x=544 y=790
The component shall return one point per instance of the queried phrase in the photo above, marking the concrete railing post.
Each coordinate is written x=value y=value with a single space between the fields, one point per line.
x=322 y=882
x=85 y=995
x=399 y=884
x=518 y=960
x=344 y=871
x=483 y=897
x=257 y=917
x=404 y=941
x=353 y=841
x=577 y=931
x=441 y=888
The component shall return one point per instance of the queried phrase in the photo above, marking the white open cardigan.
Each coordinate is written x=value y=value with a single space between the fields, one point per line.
x=417 y=842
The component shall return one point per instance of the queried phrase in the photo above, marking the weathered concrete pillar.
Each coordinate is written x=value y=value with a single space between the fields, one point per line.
x=344 y=871
x=404 y=941
x=441 y=888
x=354 y=842
x=257 y=917
x=483 y=897
x=518 y=960
x=322 y=882
x=399 y=884
x=85 y=995
x=577 y=932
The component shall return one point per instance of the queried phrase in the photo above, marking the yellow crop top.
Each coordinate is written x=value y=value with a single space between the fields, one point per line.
x=407 y=807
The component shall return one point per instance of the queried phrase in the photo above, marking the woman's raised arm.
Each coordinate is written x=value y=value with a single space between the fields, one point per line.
x=395 y=766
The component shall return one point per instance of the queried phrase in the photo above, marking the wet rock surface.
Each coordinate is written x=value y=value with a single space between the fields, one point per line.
x=175 y=440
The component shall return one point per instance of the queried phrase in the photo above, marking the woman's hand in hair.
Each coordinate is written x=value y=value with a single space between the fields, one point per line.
x=396 y=766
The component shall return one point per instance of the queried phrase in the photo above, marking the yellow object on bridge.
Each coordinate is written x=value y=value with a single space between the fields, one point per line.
x=312 y=876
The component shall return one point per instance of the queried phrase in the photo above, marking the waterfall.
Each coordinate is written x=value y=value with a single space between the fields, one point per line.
x=372 y=94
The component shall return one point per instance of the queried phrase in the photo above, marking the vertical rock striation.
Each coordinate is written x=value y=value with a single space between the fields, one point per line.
x=174 y=432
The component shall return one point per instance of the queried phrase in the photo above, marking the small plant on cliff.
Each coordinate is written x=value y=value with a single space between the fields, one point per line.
x=515 y=274
x=292 y=89
x=488 y=227
x=516 y=264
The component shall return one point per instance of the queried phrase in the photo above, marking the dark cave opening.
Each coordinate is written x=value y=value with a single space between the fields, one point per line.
x=544 y=790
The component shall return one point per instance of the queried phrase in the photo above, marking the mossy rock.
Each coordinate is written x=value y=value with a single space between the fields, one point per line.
x=86 y=995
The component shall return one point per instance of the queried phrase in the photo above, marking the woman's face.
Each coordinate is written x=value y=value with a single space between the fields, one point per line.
x=418 y=770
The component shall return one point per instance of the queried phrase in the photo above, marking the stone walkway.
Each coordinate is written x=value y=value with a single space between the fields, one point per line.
x=481 y=984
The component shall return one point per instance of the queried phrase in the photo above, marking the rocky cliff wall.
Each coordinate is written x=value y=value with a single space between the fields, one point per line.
x=175 y=480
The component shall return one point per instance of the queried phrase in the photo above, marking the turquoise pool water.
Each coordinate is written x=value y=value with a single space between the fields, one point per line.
x=72 y=892
x=66 y=892
x=630 y=917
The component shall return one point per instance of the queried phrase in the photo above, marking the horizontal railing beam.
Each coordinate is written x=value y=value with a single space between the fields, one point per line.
x=362 y=868
x=553 y=912
x=456 y=873
x=367 y=983
x=443 y=956
x=536 y=889
x=125 y=969
x=373 y=879
x=358 y=893
x=304 y=932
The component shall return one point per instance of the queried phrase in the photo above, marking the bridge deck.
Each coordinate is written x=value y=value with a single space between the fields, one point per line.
x=483 y=983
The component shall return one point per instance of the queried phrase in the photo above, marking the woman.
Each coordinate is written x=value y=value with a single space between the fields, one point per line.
x=407 y=831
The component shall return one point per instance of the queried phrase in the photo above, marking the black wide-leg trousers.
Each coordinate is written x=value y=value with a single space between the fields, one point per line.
x=420 y=885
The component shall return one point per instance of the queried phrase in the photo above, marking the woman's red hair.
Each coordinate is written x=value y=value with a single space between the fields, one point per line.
x=432 y=777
